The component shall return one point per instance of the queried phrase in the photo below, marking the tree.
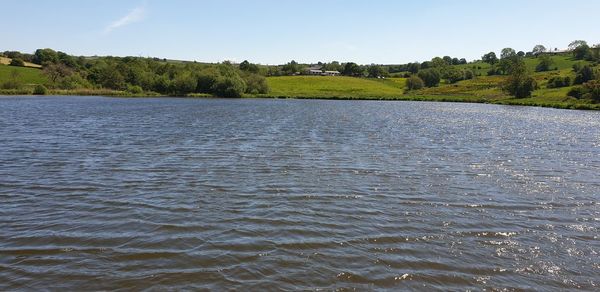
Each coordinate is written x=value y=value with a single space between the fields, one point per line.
x=256 y=84
x=521 y=54
x=183 y=83
x=585 y=74
x=229 y=86
x=376 y=71
x=490 y=58
x=55 y=72
x=249 y=67
x=438 y=62
x=577 y=43
x=593 y=89
x=40 y=90
x=544 y=64
x=538 y=49
x=453 y=75
x=582 y=52
x=43 y=56
x=519 y=83
x=431 y=77
x=333 y=66
x=507 y=53
x=291 y=68
x=414 y=67
x=17 y=62
x=352 y=69
x=414 y=83
x=447 y=60
x=462 y=61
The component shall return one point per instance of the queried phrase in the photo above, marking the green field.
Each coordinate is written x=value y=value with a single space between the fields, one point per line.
x=332 y=87
x=27 y=76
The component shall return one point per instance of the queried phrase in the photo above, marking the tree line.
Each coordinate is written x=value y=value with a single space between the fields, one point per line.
x=138 y=75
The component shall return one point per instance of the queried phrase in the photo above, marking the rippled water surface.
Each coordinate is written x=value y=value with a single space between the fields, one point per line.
x=107 y=193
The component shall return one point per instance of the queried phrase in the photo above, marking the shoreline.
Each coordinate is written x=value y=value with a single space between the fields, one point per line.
x=423 y=98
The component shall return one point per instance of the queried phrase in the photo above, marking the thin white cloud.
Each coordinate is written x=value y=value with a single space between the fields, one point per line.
x=135 y=15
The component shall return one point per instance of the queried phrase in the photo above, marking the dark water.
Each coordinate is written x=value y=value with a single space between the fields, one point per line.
x=105 y=193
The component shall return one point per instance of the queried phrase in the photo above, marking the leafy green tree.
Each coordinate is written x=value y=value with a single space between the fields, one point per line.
x=593 y=89
x=447 y=60
x=507 y=53
x=249 y=67
x=109 y=77
x=544 y=64
x=43 y=56
x=538 y=50
x=519 y=83
x=376 y=71
x=353 y=69
x=431 y=77
x=291 y=68
x=256 y=84
x=206 y=79
x=577 y=43
x=453 y=75
x=40 y=90
x=521 y=54
x=183 y=83
x=414 y=83
x=17 y=62
x=414 y=67
x=438 y=62
x=582 y=52
x=55 y=72
x=490 y=58
x=229 y=86
x=333 y=66
x=585 y=74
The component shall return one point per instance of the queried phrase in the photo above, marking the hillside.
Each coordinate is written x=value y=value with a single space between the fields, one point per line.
x=331 y=87
x=25 y=75
x=6 y=61
x=482 y=88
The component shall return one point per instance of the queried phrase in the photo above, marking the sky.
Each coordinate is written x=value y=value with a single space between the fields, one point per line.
x=308 y=31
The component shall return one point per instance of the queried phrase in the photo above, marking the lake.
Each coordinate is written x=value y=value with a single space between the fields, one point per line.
x=169 y=193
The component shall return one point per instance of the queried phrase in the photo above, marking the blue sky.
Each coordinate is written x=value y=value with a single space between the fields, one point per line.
x=277 y=31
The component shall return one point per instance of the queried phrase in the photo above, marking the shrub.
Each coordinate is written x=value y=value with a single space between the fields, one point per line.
x=431 y=77
x=519 y=83
x=577 y=92
x=17 y=62
x=256 y=84
x=469 y=74
x=206 y=79
x=229 y=86
x=558 y=81
x=11 y=84
x=414 y=83
x=545 y=63
x=453 y=75
x=593 y=89
x=585 y=74
x=135 y=89
x=40 y=90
